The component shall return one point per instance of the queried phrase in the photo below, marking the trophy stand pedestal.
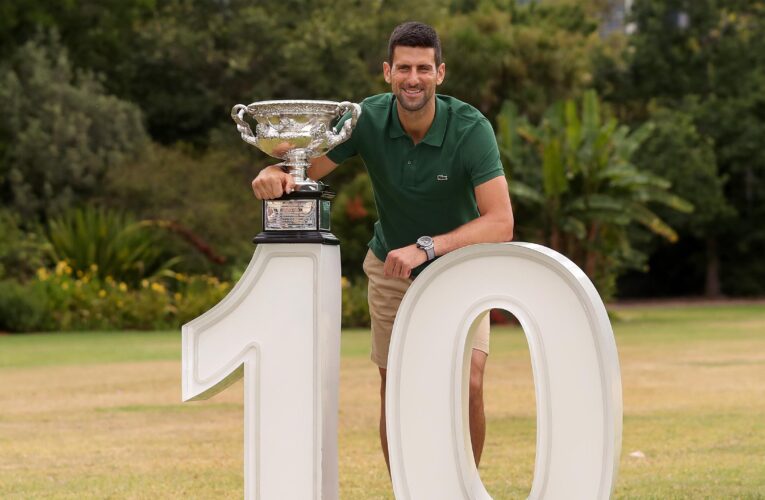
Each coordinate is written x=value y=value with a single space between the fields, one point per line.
x=298 y=217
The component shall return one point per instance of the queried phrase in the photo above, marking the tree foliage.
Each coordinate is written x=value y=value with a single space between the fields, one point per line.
x=186 y=63
x=59 y=131
x=76 y=104
x=532 y=55
x=22 y=251
x=353 y=217
x=706 y=59
x=204 y=197
x=677 y=151
x=574 y=174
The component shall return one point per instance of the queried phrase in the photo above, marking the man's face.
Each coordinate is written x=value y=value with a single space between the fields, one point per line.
x=413 y=76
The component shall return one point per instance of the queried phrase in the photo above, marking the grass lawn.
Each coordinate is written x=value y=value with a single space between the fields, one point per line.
x=98 y=415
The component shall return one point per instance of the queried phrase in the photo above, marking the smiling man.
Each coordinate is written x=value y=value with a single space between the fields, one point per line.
x=438 y=184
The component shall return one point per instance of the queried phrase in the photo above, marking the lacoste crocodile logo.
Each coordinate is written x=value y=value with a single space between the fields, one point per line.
x=442 y=178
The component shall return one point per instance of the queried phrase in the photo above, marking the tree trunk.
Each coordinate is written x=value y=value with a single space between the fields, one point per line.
x=187 y=234
x=555 y=239
x=591 y=256
x=712 y=282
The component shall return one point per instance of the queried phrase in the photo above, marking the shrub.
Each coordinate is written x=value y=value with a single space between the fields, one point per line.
x=65 y=299
x=577 y=189
x=23 y=308
x=207 y=193
x=355 y=307
x=60 y=132
x=21 y=251
x=109 y=243
x=353 y=218
x=194 y=295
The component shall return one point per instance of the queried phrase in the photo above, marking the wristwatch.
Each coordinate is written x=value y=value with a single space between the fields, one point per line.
x=426 y=243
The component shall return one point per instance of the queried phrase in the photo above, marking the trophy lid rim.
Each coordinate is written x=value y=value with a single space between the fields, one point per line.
x=294 y=101
x=290 y=104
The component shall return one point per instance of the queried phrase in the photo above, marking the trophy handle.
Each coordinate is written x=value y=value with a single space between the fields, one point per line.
x=348 y=126
x=237 y=114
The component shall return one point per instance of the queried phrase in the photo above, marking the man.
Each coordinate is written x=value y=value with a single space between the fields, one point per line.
x=438 y=185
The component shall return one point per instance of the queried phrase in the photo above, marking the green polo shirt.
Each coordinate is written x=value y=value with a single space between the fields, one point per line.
x=425 y=189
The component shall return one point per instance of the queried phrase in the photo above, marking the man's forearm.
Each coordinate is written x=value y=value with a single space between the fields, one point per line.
x=320 y=167
x=489 y=228
x=494 y=225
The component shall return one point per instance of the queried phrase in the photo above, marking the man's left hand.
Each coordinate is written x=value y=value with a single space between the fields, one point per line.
x=400 y=262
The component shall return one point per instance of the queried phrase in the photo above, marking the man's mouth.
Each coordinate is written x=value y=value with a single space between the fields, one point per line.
x=412 y=92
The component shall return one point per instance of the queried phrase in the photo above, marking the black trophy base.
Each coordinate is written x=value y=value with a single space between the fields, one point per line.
x=322 y=237
x=314 y=235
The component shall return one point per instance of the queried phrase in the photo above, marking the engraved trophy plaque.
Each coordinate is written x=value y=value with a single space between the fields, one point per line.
x=296 y=131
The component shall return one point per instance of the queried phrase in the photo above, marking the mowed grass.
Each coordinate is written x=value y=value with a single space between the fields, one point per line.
x=98 y=415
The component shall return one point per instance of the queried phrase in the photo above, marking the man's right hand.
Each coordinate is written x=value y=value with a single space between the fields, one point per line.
x=272 y=182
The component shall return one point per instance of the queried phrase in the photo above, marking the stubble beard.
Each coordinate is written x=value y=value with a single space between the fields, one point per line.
x=413 y=106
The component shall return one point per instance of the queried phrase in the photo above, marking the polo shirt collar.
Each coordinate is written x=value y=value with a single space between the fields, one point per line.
x=395 y=129
x=436 y=132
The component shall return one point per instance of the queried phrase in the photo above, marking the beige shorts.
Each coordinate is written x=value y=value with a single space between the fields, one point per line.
x=385 y=295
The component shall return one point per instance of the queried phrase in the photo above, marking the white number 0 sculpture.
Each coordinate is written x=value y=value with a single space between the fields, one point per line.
x=281 y=324
x=573 y=357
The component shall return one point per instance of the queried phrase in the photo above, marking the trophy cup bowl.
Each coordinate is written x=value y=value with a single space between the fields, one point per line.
x=296 y=131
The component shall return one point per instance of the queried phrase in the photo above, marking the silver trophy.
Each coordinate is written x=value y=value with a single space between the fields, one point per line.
x=296 y=131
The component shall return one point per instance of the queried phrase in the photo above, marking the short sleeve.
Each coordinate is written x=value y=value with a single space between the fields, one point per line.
x=347 y=149
x=481 y=154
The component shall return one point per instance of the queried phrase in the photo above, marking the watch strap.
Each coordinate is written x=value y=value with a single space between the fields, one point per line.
x=429 y=247
x=430 y=251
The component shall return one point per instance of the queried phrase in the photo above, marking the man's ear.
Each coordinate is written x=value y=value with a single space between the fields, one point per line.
x=441 y=74
x=386 y=72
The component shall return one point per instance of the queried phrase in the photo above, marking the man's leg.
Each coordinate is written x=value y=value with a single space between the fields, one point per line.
x=384 y=295
x=475 y=408
x=383 y=429
x=477 y=416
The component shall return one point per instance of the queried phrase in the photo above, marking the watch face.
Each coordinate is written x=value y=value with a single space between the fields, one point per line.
x=424 y=241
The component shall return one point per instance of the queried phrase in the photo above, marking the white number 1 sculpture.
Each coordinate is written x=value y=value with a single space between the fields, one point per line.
x=280 y=327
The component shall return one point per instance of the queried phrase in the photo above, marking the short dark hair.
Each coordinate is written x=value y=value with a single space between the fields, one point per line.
x=414 y=34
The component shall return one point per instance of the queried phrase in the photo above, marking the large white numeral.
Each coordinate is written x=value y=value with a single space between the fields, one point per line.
x=280 y=325
x=280 y=328
x=574 y=361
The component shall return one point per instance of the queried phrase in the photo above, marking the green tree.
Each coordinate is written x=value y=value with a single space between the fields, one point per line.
x=59 y=131
x=532 y=55
x=578 y=188
x=707 y=58
x=185 y=63
x=95 y=31
x=205 y=197
x=677 y=151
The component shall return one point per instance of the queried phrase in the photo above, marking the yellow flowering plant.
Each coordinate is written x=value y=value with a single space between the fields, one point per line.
x=85 y=301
